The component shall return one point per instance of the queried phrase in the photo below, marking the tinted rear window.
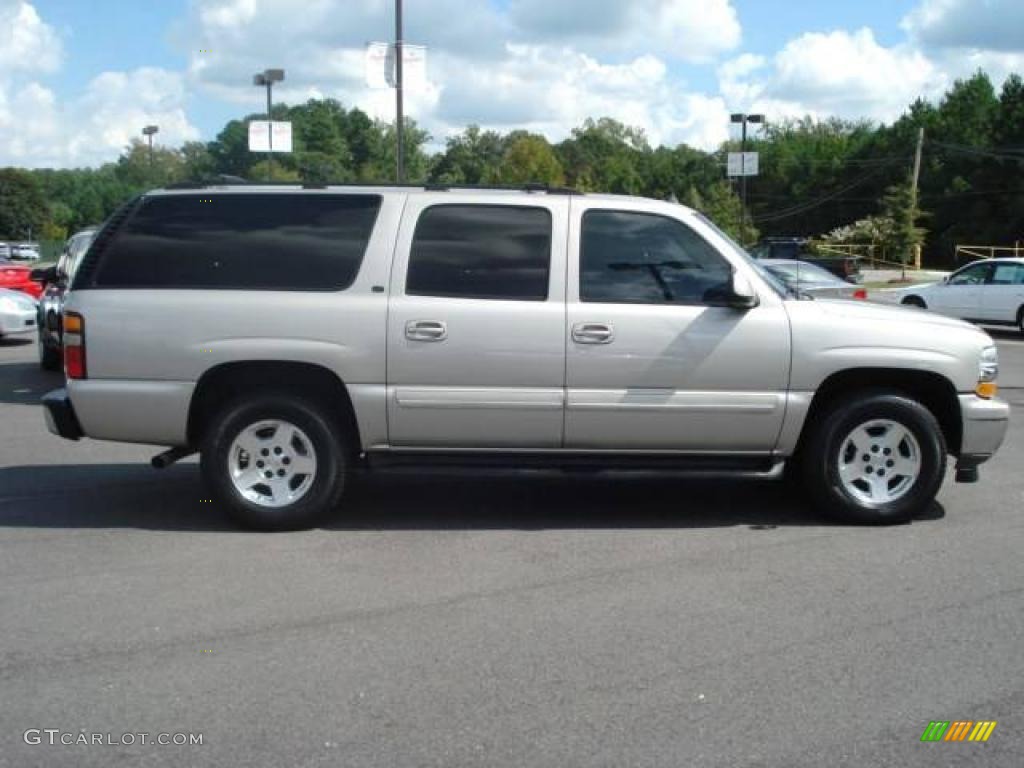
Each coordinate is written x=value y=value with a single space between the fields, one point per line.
x=481 y=252
x=310 y=242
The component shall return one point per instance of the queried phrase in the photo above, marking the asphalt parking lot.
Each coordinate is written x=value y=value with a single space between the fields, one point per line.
x=498 y=620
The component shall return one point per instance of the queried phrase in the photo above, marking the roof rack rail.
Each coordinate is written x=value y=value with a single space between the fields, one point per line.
x=531 y=186
x=224 y=180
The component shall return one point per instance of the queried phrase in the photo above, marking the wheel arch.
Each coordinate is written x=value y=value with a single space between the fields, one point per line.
x=933 y=390
x=228 y=381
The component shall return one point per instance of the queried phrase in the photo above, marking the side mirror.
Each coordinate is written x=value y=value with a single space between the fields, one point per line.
x=743 y=295
x=44 y=275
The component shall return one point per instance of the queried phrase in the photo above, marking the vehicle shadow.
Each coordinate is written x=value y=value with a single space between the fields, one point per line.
x=24 y=383
x=1003 y=333
x=136 y=496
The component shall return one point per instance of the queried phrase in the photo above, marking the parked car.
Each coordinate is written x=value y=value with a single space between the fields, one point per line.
x=812 y=280
x=5 y=250
x=25 y=252
x=56 y=280
x=797 y=248
x=989 y=291
x=17 y=313
x=18 y=277
x=535 y=327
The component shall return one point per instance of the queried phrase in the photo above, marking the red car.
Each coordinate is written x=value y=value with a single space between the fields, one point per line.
x=16 y=277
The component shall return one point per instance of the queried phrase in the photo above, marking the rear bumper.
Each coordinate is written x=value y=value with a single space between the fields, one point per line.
x=984 y=427
x=60 y=415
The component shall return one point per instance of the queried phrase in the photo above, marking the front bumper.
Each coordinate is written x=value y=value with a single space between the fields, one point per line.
x=984 y=427
x=60 y=415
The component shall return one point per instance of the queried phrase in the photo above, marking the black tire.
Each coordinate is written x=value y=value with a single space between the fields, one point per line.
x=820 y=460
x=328 y=485
x=1020 y=320
x=49 y=358
x=914 y=301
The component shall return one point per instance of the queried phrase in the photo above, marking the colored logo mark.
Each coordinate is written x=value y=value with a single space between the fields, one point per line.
x=958 y=730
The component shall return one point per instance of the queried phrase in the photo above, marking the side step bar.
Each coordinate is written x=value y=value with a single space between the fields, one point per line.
x=758 y=467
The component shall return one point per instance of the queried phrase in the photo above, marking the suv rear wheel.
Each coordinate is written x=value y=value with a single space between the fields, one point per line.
x=274 y=461
x=878 y=458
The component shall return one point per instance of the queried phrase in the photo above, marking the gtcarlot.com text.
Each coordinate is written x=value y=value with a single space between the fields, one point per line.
x=55 y=737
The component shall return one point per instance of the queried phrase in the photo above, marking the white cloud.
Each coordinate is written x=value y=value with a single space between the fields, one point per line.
x=29 y=44
x=842 y=73
x=96 y=126
x=551 y=90
x=982 y=25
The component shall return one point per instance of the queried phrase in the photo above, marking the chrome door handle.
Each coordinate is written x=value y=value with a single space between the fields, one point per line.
x=592 y=333
x=426 y=330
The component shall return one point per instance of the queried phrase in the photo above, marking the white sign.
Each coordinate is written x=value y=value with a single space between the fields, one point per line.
x=380 y=66
x=260 y=136
x=742 y=164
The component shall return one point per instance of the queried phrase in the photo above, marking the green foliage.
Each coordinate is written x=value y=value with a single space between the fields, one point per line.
x=529 y=158
x=23 y=208
x=901 y=209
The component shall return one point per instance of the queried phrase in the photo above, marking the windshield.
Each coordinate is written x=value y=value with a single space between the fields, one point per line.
x=799 y=272
x=779 y=286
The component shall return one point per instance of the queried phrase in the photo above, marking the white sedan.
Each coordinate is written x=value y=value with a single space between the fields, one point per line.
x=989 y=291
x=17 y=312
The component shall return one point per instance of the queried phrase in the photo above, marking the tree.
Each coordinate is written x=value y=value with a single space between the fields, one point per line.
x=138 y=168
x=471 y=157
x=529 y=158
x=905 y=236
x=23 y=207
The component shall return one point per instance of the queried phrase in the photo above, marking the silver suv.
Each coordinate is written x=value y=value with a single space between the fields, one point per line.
x=293 y=334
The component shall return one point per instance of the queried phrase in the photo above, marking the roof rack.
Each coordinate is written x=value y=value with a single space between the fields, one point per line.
x=224 y=180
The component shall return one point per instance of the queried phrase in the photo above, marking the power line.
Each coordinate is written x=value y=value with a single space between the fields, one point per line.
x=796 y=210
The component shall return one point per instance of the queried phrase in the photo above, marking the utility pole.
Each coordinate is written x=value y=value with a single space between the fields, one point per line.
x=913 y=188
x=400 y=118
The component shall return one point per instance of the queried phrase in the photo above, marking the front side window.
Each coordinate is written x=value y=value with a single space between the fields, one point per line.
x=976 y=274
x=280 y=241
x=641 y=258
x=481 y=252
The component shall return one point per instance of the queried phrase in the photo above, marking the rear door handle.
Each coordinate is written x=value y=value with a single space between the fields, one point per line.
x=592 y=333
x=426 y=330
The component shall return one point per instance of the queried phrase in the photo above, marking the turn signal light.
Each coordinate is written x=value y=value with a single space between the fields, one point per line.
x=861 y=294
x=986 y=389
x=74 y=346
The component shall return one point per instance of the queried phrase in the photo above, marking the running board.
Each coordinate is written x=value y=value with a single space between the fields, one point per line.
x=704 y=466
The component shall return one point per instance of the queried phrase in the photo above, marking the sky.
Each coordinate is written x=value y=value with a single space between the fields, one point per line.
x=79 y=78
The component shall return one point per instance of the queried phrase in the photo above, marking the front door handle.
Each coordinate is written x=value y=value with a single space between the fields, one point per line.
x=593 y=333
x=426 y=330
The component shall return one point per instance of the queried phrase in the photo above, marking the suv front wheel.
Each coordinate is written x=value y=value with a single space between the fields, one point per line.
x=274 y=461
x=878 y=458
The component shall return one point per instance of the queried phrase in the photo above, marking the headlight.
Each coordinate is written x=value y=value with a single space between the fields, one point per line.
x=988 y=371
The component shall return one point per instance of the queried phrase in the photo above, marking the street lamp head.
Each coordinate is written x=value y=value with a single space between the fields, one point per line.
x=736 y=117
x=755 y=118
x=273 y=75
x=149 y=130
x=259 y=80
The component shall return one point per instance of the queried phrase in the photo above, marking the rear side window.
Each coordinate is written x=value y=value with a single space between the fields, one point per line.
x=299 y=242
x=481 y=252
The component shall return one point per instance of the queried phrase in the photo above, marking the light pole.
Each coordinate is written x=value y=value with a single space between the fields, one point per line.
x=399 y=107
x=268 y=77
x=743 y=119
x=148 y=132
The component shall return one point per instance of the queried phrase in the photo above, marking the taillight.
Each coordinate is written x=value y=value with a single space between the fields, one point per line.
x=74 y=345
x=860 y=293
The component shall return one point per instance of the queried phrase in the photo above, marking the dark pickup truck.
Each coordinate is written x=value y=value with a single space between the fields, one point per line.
x=845 y=267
